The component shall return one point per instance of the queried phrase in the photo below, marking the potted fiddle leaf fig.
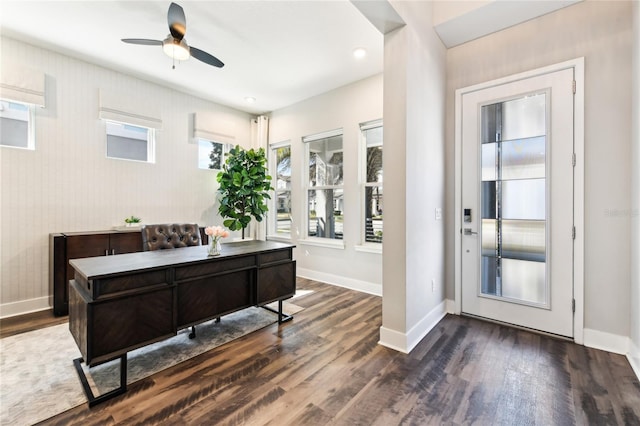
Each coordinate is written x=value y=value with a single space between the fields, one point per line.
x=244 y=187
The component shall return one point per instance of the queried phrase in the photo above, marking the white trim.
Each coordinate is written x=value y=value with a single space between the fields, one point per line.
x=578 y=287
x=606 y=341
x=280 y=144
x=406 y=342
x=279 y=238
x=451 y=306
x=634 y=358
x=320 y=242
x=323 y=135
x=369 y=248
x=367 y=125
x=340 y=281
x=393 y=340
x=22 y=307
x=578 y=202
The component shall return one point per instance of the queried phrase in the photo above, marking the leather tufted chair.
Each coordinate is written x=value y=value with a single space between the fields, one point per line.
x=168 y=236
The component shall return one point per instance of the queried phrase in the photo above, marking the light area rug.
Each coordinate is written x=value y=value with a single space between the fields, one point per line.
x=38 y=379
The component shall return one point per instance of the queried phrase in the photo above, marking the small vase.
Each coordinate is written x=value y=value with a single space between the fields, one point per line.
x=215 y=247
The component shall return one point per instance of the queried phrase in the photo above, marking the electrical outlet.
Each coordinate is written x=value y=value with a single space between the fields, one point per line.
x=438 y=213
x=433 y=285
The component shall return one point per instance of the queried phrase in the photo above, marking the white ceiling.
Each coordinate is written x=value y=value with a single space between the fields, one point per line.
x=279 y=52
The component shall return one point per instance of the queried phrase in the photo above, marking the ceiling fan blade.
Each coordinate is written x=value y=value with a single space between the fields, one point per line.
x=206 y=57
x=177 y=21
x=142 y=41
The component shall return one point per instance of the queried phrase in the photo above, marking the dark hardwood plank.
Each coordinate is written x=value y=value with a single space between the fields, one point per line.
x=29 y=322
x=325 y=367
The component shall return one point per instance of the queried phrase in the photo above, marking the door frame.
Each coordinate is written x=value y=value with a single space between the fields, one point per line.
x=578 y=183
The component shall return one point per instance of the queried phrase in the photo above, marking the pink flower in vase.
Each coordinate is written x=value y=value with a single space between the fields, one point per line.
x=215 y=233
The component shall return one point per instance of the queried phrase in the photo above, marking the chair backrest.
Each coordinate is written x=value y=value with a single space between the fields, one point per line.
x=168 y=236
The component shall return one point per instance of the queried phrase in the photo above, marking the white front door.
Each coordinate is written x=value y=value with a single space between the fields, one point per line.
x=517 y=202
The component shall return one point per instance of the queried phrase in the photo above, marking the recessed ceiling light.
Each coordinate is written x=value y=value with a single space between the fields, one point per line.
x=359 y=53
x=250 y=99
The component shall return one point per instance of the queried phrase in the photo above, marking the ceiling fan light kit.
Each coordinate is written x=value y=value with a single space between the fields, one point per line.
x=176 y=49
x=175 y=45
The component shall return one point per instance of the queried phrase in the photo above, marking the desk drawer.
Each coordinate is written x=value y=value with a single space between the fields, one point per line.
x=120 y=325
x=215 y=266
x=106 y=286
x=274 y=256
x=206 y=297
x=276 y=282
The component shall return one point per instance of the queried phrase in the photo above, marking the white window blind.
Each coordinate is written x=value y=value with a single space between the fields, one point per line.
x=130 y=110
x=21 y=84
x=205 y=127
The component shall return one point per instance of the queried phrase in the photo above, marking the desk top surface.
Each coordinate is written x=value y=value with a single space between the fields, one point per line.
x=101 y=266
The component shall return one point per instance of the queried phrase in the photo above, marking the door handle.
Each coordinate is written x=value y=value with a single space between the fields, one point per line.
x=468 y=231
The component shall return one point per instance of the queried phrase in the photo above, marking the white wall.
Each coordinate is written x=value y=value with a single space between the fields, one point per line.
x=67 y=183
x=414 y=178
x=346 y=107
x=634 y=353
x=601 y=32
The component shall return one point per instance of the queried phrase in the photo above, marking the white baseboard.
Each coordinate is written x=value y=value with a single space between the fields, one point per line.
x=606 y=341
x=25 y=307
x=405 y=342
x=451 y=306
x=634 y=358
x=340 y=281
x=393 y=340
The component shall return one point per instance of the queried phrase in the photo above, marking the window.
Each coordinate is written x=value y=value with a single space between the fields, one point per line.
x=280 y=166
x=372 y=180
x=211 y=154
x=129 y=142
x=16 y=125
x=325 y=193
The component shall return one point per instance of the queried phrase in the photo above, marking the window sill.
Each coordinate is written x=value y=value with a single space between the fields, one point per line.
x=334 y=244
x=368 y=248
x=279 y=238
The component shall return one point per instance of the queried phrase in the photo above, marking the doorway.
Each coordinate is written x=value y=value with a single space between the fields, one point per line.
x=516 y=201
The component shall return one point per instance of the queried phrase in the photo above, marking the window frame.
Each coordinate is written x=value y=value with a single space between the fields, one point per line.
x=309 y=239
x=30 y=120
x=272 y=225
x=151 y=142
x=367 y=246
x=226 y=147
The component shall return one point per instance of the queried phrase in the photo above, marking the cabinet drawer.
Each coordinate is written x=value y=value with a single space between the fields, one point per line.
x=125 y=242
x=214 y=267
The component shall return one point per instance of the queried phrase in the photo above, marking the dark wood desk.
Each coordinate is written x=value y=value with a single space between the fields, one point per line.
x=75 y=245
x=123 y=302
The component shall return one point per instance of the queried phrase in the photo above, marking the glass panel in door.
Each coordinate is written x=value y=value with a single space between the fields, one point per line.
x=513 y=200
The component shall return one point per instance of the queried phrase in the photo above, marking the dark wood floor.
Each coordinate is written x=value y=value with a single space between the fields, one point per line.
x=325 y=367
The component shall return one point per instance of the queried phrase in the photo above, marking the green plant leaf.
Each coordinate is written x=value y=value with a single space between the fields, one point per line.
x=243 y=187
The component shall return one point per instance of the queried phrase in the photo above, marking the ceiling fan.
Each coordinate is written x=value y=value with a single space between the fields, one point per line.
x=175 y=45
